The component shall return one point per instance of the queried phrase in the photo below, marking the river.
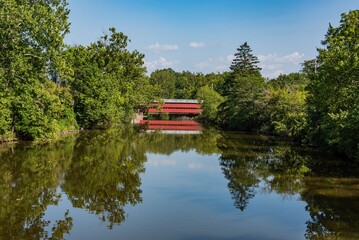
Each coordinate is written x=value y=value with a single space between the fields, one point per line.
x=130 y=184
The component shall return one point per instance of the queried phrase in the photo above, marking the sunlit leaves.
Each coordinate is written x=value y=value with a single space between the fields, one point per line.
x=210 y=101
x=32 y=68
x=334 y=91
x=108 y=81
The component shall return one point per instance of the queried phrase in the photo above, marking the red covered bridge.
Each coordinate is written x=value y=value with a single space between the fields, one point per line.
x=182 y=107
x=176 y=106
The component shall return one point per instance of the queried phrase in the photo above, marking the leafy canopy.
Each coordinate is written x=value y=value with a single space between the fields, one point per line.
x=333 y=102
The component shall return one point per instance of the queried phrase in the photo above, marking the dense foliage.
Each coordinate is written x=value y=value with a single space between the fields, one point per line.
x=285 y=104
x=210 y=100
x=334 y=88
x=109 y=81
x=182 y=85
x=47 y=87
x=33 y=102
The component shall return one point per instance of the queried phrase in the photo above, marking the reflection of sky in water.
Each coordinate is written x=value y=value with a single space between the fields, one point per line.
x=179 y=193
x=185 y=196
x=160 y=161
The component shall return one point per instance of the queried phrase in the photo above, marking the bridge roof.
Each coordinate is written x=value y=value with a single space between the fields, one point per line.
x=180 y=101
x=176 y=111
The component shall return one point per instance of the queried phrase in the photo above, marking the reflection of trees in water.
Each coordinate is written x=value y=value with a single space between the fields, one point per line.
x=104 y=175
x=244 y=163
x=332 y=200
x=333 y=205
x=101 y=175
x=242 y=182
x=160 y=143
x=332 y=196
x=28 y=181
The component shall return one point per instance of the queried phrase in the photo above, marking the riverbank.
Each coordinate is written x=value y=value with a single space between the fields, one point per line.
x=60 y=134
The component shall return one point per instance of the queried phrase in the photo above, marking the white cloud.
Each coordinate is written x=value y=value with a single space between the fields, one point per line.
x=204 y=45
x=211 y=65
x=230 y=58
x=159 y=63
x=273 y=65
x=197 y=45
x=162 y=162
x=195 y=166
x=163 y=48
x=269 y=57
x=214 y=64
x=294 y=58
x=273 y=73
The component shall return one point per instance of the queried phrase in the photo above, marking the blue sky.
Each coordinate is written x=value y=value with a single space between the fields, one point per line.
x=203 y=35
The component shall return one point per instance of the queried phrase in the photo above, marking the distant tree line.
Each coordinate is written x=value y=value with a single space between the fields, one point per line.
x=319 y=105
x=47 y=87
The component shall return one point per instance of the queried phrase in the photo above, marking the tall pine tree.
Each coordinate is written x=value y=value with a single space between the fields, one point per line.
x=245 y=63
x=242 y=89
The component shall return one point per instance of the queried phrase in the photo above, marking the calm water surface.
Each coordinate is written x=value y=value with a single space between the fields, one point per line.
x=125 y=184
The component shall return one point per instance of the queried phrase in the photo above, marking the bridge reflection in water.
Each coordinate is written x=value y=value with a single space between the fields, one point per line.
x=174 y=109
x=172 y=126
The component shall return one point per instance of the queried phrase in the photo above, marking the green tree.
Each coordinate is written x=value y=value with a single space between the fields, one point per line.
x=33 y=68
x=109 y=81
x=286 y=110
x=293 y=80
x=216 y=81
x=165 y=82
x=286 y=106
x=243 y=108
x=187 y=85
x=183 y=85
x=210 y=102
x=5 y=111
x=243 y=91
x=334 y=88
x=309 y=67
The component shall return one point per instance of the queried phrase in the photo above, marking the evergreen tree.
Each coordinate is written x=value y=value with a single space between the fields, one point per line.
x=243 y=89
x=245 y=62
